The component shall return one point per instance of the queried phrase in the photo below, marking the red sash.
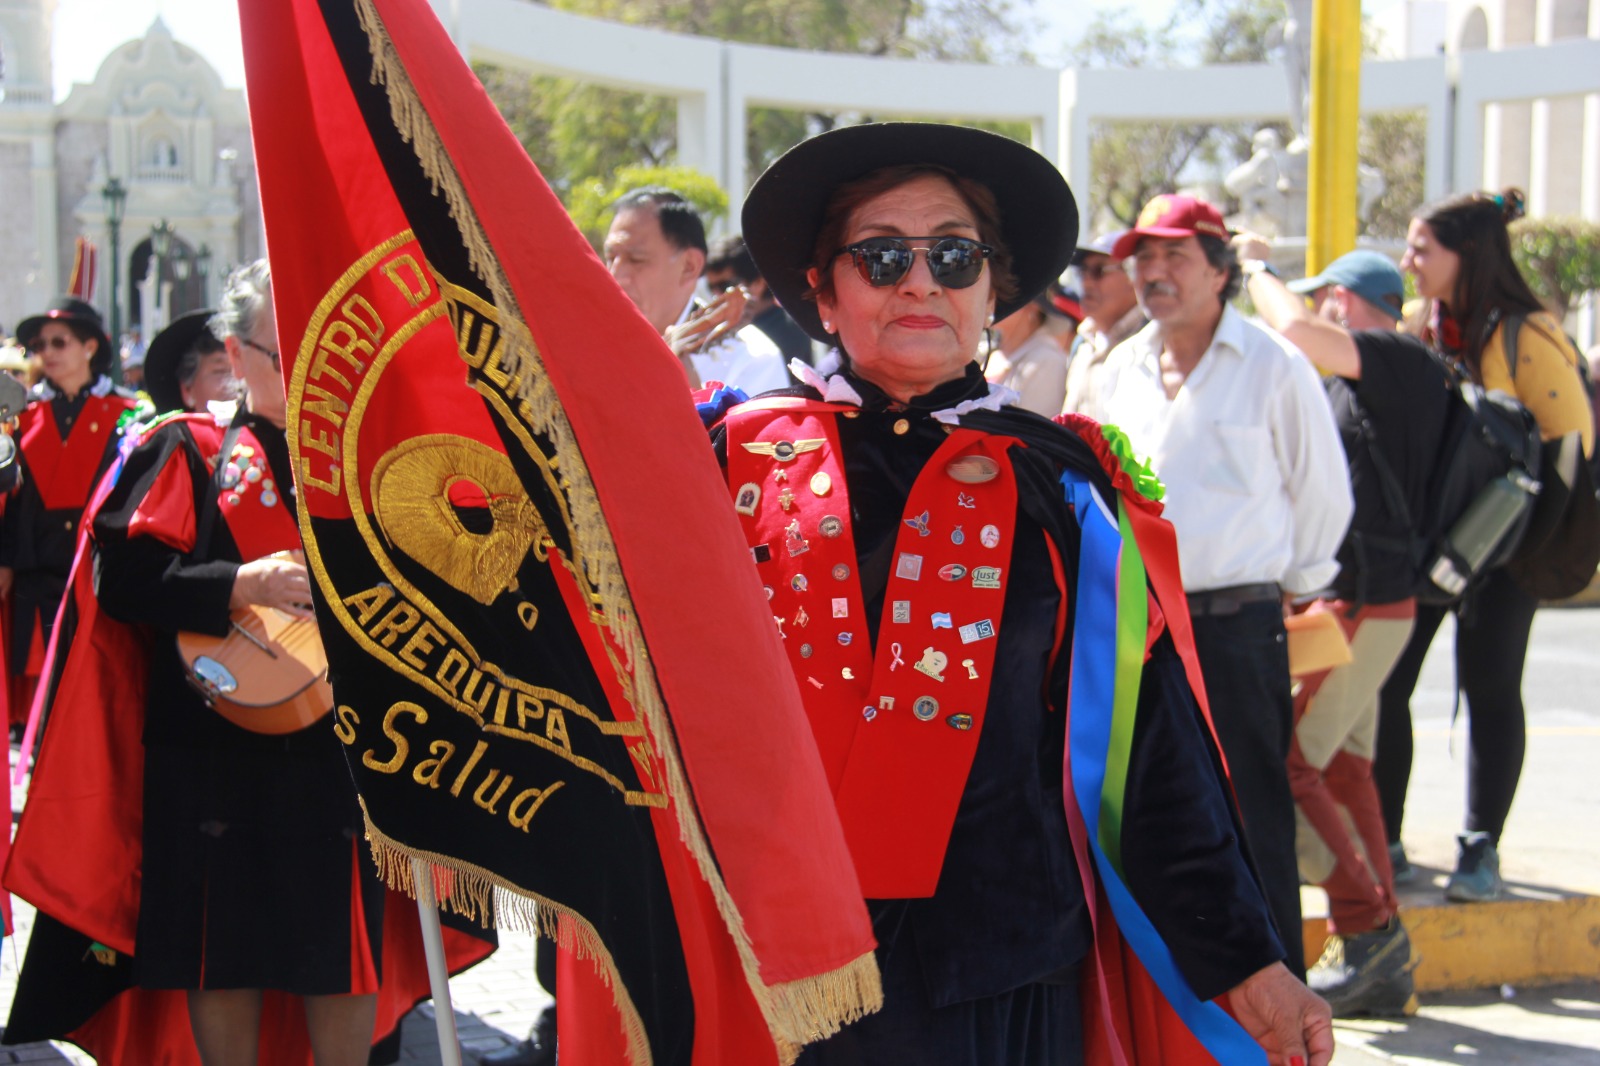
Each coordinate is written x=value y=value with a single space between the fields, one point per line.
x=65 y=470
x=897 y=729
x=252 y=501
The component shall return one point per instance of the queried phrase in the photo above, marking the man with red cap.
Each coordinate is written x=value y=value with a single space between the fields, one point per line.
x=1236 y=424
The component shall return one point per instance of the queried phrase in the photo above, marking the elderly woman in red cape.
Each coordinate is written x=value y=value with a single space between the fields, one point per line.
x=983 y=613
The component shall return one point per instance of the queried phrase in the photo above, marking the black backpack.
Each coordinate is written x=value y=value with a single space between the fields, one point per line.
x=1480 y=495
x=1560 y=548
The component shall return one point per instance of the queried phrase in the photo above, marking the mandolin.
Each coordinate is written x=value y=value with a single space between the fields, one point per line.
x=268 y=675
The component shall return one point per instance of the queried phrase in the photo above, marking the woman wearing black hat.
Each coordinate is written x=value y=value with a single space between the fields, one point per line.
x=950 y=575
x=67 y=437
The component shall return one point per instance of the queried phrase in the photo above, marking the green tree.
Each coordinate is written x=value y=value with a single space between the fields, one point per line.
x=580 y=134
x=1560 y=257
x=590 y=201
x=1133 y=161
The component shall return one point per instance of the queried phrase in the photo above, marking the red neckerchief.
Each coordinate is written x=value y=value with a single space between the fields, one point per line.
x=65 y=470
x=897 y=727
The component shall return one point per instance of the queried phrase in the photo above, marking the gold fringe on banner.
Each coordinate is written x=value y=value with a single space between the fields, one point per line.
x=796 y=1012
x=481 y=895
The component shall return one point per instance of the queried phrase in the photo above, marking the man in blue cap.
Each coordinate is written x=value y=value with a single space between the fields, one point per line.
x=1390 y=399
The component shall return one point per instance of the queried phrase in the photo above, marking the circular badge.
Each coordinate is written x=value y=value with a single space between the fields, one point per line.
x=869 y=713
x=805 y=651
x=252 y=474
x=830 y=526
x=841 y=571
x=952 y=571
x=798 y=582
x=783 y=451
x=958 y=536
x=973 y=469
x=925 y=708
x=989 y=536
x=821 y=483
x=846 y=637
x=269 y=498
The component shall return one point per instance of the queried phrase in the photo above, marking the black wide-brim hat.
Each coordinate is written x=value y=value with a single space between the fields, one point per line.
x=71 y=309
x=166 y=351
x=784 y=211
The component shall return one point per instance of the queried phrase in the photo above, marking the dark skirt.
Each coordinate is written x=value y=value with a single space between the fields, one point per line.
x=255 y=874
x=1035 y=1025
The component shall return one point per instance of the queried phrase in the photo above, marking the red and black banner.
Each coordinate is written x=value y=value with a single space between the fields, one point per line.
x=555 y=673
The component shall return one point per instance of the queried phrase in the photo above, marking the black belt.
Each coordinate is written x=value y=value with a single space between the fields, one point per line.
x=1220 y=603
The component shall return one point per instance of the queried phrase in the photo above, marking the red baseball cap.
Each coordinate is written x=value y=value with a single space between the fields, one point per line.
x=1172 y=217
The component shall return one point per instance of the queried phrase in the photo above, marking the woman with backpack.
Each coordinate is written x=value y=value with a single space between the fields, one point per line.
x=1476 y=307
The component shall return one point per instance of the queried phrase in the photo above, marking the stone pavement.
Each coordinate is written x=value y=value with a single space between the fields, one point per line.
x=1552 y=853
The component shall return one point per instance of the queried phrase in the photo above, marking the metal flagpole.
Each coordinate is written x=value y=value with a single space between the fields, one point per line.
x=438 y=971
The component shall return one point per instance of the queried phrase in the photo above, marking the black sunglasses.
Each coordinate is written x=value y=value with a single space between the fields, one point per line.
x=58 y=342
x=954 y=262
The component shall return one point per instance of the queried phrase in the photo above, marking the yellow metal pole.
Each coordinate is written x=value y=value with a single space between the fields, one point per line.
x=1335 y=125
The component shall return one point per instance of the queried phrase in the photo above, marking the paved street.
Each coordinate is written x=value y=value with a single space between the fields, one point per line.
x=1552 y=848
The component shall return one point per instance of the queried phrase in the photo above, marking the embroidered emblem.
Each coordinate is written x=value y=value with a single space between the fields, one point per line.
x=902 y=612
x=989 y=536
x=952 y=572
x=976 y=631
x=925 y=708
x=909 y=567
x=919 y=523
x=986 y=577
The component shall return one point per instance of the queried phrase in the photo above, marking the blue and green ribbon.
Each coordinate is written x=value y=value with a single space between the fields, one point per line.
x=1108 y=648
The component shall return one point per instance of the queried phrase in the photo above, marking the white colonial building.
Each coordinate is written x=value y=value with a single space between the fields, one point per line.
x=158 y=121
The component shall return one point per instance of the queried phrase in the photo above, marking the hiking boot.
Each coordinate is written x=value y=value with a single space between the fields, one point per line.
x=1367 y=973
x=1404 y=872
x=1477 y=875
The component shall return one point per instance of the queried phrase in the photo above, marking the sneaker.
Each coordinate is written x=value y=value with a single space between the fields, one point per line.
x=1367 y=973
x=1404 y=872
x=1477 y=875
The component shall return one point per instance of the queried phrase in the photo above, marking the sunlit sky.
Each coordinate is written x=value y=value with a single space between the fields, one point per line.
x=88 y=30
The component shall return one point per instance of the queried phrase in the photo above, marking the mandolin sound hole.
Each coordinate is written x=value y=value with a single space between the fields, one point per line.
x=213 y=677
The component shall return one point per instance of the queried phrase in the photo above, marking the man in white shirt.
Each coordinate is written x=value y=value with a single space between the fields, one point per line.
x=1031 y=360
x=1111 y=315
x=1236 y=424
x=656 y=250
